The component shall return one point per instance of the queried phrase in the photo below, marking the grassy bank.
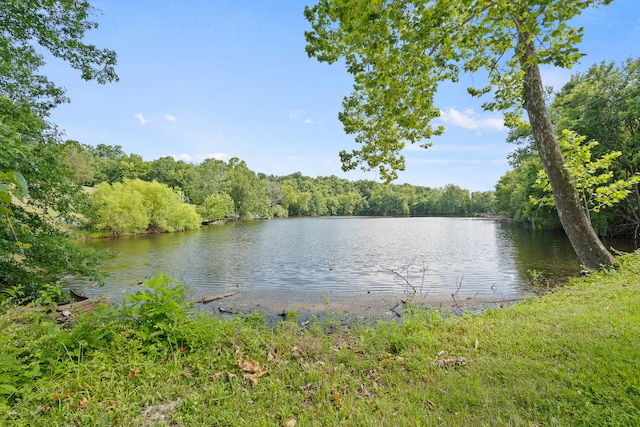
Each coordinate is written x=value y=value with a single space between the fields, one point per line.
x=569 y=358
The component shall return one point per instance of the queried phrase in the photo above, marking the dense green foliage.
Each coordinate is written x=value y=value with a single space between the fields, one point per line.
x=399 y=52
x=593 y=178
x=59 y=27
x=231 y=190
x=602 y=107
x=133 y=206
x=603 y=104
x=157 y=311
x=248 y=192
x=217 y=206
x=36 y=246
x=569 y=358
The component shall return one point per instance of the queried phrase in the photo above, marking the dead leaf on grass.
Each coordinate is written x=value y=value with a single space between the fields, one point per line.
x=254 y=370
x=131 y=374
x=254 y=377
x=296 y=352
x=82 y=403
x=290 y=423
x=66 y=395
x=336 y=399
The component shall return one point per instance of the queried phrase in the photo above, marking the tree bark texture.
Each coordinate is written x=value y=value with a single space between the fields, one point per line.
x=590 y=250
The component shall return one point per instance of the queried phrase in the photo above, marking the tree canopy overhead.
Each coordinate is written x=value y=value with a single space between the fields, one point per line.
x=36 y=245
x=399 y=51
x=57 y=27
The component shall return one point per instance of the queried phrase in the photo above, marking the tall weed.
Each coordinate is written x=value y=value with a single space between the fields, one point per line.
x=157 y=310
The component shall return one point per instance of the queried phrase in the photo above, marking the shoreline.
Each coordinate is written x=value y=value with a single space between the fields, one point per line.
x=308 y=305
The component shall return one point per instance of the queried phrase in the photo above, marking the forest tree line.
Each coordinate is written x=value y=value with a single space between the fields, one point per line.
x=219 y=189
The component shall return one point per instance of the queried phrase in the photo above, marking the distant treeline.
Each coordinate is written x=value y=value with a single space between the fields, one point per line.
x=230 y=189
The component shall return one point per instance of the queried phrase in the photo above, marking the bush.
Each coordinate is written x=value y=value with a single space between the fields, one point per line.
x=120 y=209
x=134 y=206
x=217 y=206
x=156 y=311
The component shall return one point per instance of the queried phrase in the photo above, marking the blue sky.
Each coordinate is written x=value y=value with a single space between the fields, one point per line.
x=226 y=79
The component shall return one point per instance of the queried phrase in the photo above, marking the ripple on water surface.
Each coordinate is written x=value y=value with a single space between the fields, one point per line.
x=346 y=256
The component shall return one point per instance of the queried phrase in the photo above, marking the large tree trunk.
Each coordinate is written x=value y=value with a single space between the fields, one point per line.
x=574 y=220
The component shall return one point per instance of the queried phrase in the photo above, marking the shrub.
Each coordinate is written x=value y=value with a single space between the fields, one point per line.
x=156 y=311
x=134 y=206
x=217 y=206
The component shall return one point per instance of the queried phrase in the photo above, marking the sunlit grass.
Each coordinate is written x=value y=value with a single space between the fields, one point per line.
x=569 y=358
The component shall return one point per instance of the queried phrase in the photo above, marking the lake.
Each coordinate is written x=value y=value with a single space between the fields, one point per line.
x=347 y=258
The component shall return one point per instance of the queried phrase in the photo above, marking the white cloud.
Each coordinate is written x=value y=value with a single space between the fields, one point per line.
x=471 y=120
x=299 y=113
x=140 y=117
x=169 y=118
x=294 y=114
x=198 y=158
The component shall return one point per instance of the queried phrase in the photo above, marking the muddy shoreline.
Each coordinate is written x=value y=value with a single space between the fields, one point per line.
x=306 y=305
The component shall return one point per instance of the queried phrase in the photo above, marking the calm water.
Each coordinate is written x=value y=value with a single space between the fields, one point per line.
x=344 y=255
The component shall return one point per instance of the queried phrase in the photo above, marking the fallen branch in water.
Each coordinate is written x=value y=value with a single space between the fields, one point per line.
x=458 y=286
x=209 y=298
x=404 y=279
x=77 y=296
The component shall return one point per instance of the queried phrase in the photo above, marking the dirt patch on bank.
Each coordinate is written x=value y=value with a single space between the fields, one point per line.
x=305 y=305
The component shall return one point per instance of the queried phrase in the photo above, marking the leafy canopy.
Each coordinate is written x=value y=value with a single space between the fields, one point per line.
x=399 y=51
x=217 y=206
x=133 y=206
x=593 y=178
x=36 y=245
x=36 y=241
x=29 y=27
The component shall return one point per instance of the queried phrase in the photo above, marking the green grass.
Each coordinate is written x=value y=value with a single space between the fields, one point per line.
x=569 y=358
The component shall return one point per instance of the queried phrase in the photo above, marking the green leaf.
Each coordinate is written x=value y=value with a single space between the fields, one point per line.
x=7 y=389
x=21 y=182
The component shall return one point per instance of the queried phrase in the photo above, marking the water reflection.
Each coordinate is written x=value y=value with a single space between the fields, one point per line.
x=437 y=256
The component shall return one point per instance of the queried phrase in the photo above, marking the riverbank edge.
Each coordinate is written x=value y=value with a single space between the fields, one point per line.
x=568 y=358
